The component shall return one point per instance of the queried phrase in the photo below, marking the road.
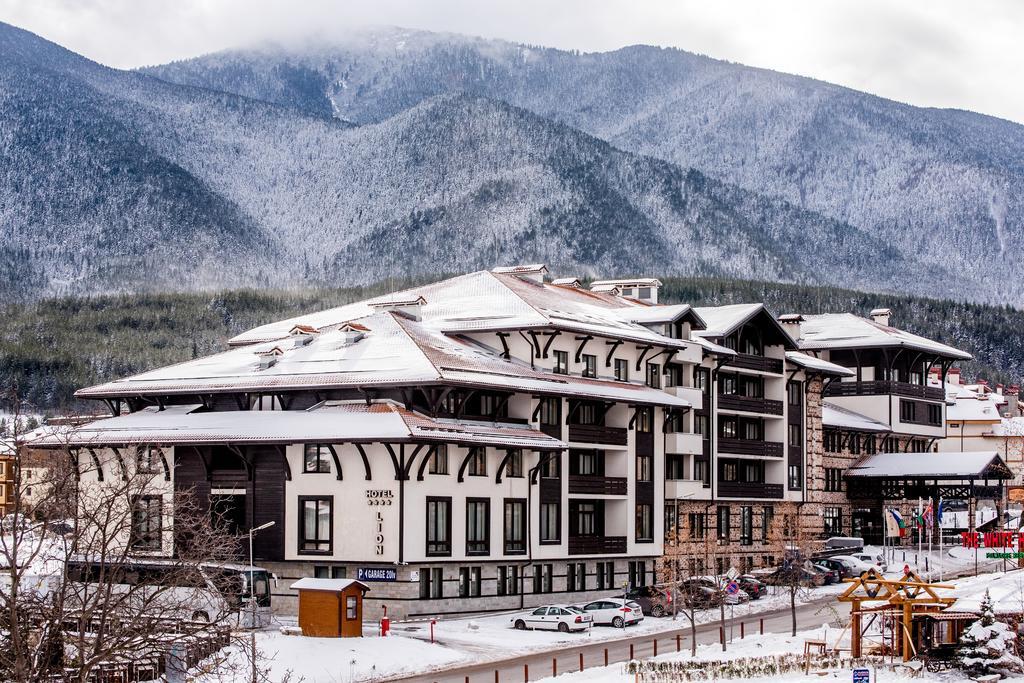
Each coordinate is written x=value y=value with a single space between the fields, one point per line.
x=537 y=665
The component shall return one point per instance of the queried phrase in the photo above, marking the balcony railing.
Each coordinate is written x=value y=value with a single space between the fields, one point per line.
x=597 y=545
x=613 y=436
x=885 y=387
x=748 y=361
x=554 y=431
x=595 y=485
x=750 y=447
x=735 y=489
x=751 y=405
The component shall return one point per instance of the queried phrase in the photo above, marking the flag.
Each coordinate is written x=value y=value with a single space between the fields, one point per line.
x=938 y=512
x=926 y=518
x=899 y=519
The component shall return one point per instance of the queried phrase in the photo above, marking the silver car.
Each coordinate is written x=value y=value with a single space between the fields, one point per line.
x=553 y=618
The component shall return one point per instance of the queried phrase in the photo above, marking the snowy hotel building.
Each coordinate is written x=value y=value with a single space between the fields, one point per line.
x=490 y=440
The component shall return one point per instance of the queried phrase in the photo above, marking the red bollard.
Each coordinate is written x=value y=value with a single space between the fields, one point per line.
x=581 y=661
x=554 y=666
x=606 y=656
x=742 y=630
x=762 y=626
x=432 y=622
x=655 y=642
x=677 y=642
x=526 y=673
x=631 y=652
x=385 y=626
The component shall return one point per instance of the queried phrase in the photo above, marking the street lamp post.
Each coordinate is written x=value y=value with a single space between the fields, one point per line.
x=252 y=601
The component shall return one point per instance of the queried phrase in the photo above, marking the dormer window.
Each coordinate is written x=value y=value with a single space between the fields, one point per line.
x=561 y=363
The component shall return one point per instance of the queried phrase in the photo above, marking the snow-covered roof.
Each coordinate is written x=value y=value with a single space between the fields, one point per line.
x=721 y=320
x=948 y=464
x=649 y=315
x=845 y=330
x=974 y=408
x=1006 y=593
x=629 y=282
x=333 y=585
x=7 y=447
x=329 y=422
x=842 y=418
x=808 y=362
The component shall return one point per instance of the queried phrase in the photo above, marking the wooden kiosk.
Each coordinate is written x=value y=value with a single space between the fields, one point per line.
x=330 y=608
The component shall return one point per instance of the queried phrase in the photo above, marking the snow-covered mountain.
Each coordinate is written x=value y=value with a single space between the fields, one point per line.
x=944 y=185
x=262 y=172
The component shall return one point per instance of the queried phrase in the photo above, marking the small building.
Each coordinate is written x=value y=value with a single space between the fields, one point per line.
x=330 y=608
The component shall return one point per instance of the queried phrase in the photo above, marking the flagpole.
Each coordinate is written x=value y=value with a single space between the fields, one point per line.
x=920 y=550
x=938 y=519
x=931 y=530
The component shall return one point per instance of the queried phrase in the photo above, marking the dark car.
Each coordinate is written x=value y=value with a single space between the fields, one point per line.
x=699 y=594
x=840 y=568
x=831 y=575
x=751 y=586
x=653 y=601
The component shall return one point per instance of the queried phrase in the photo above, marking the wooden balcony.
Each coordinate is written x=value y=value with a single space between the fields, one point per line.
x=882 y=387
x=594 y=485
x=747 y=361
x=597 y=545
x=554 y=431
x=765 y=406
x=612 y=436
x=750 y=447
x=735 y=489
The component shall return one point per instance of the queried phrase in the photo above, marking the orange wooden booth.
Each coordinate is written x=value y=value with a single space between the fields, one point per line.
x=331 y=608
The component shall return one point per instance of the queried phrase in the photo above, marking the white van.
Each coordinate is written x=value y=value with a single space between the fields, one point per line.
x=206 y=593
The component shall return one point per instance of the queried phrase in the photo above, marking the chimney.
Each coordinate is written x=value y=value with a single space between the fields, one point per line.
x=953 y=376
x=999 y=389
x=792 y=323
x=641 y=289
x=534 y=272
x=881 y=315
x=410 y=308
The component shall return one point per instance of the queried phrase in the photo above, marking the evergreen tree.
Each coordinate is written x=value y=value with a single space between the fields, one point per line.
x=989 y=646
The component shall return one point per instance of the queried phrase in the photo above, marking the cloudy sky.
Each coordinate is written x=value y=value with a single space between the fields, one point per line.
x=942 y=53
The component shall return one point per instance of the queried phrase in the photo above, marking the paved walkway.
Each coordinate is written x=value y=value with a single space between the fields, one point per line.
x=537 y=665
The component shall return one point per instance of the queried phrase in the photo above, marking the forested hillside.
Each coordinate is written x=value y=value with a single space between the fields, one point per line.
x=50 y=348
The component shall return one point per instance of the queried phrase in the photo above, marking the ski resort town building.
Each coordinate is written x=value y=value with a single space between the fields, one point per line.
x=498 y=440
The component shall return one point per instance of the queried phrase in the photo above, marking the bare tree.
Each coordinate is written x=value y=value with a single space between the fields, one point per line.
x=794 y=576
x=105 y=562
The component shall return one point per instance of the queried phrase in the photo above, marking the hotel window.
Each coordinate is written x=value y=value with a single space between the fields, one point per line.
x=746 y=525
x=550 y=411
x=316 y=459
x=675 y=466
x=795 y=476
x=644 y=522
x=586 y=414
x=870 y=445
x=729 y=470
x=478 y=521
x=702 y=471
x=551 y=469
x=727 y=384
x=508 y=580
x=833 y=521
x=439 y=460
x=147 y=523
x=645 y=468
x=561 y=362
x=728 y=427
x=644 y=420
x=854 y=444
x=670 y=520
x=908 y=411
x=586 y=463
x=514 y=466
x=477 y=463
x=542 y=574
x=723 y=522
x=605 y=572
x=767 y=517
x=515 y=526
x=550 y=523
x=698 y=525
x=832 y=442
x=796 y=436
x=833 y=479
x=469 y=582
x=589 y=365
x=431 y=583
x=147 y=460
x=575 y=576
x=753 y=430
x=316 y=524
x=622 y=369
x=637 y=573
x=586 y=519
x=934 y=414
x=700 y=379
x=654 y=375
x=794 y=394
x=700 y=426
x=751 y=387
x=439 y=526
x=751 y=346
x=673 y=375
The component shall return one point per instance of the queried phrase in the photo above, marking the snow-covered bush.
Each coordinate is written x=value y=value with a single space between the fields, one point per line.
x=989 y=646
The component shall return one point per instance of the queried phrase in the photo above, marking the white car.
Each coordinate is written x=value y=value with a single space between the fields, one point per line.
x=554 y=618
x=856 y=565
x=872 y=559
x=614 y=612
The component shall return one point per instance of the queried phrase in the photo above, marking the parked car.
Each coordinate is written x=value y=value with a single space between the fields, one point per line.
x=653 y=600
x=831 y=575
x=855 y=565
x=697 y=593
x=843 y=570
x=614 y=612
x=562 y=618
x=784 y=576
x=872 y=559
x=849 y=543
x=752 y=586
x=718 y=585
